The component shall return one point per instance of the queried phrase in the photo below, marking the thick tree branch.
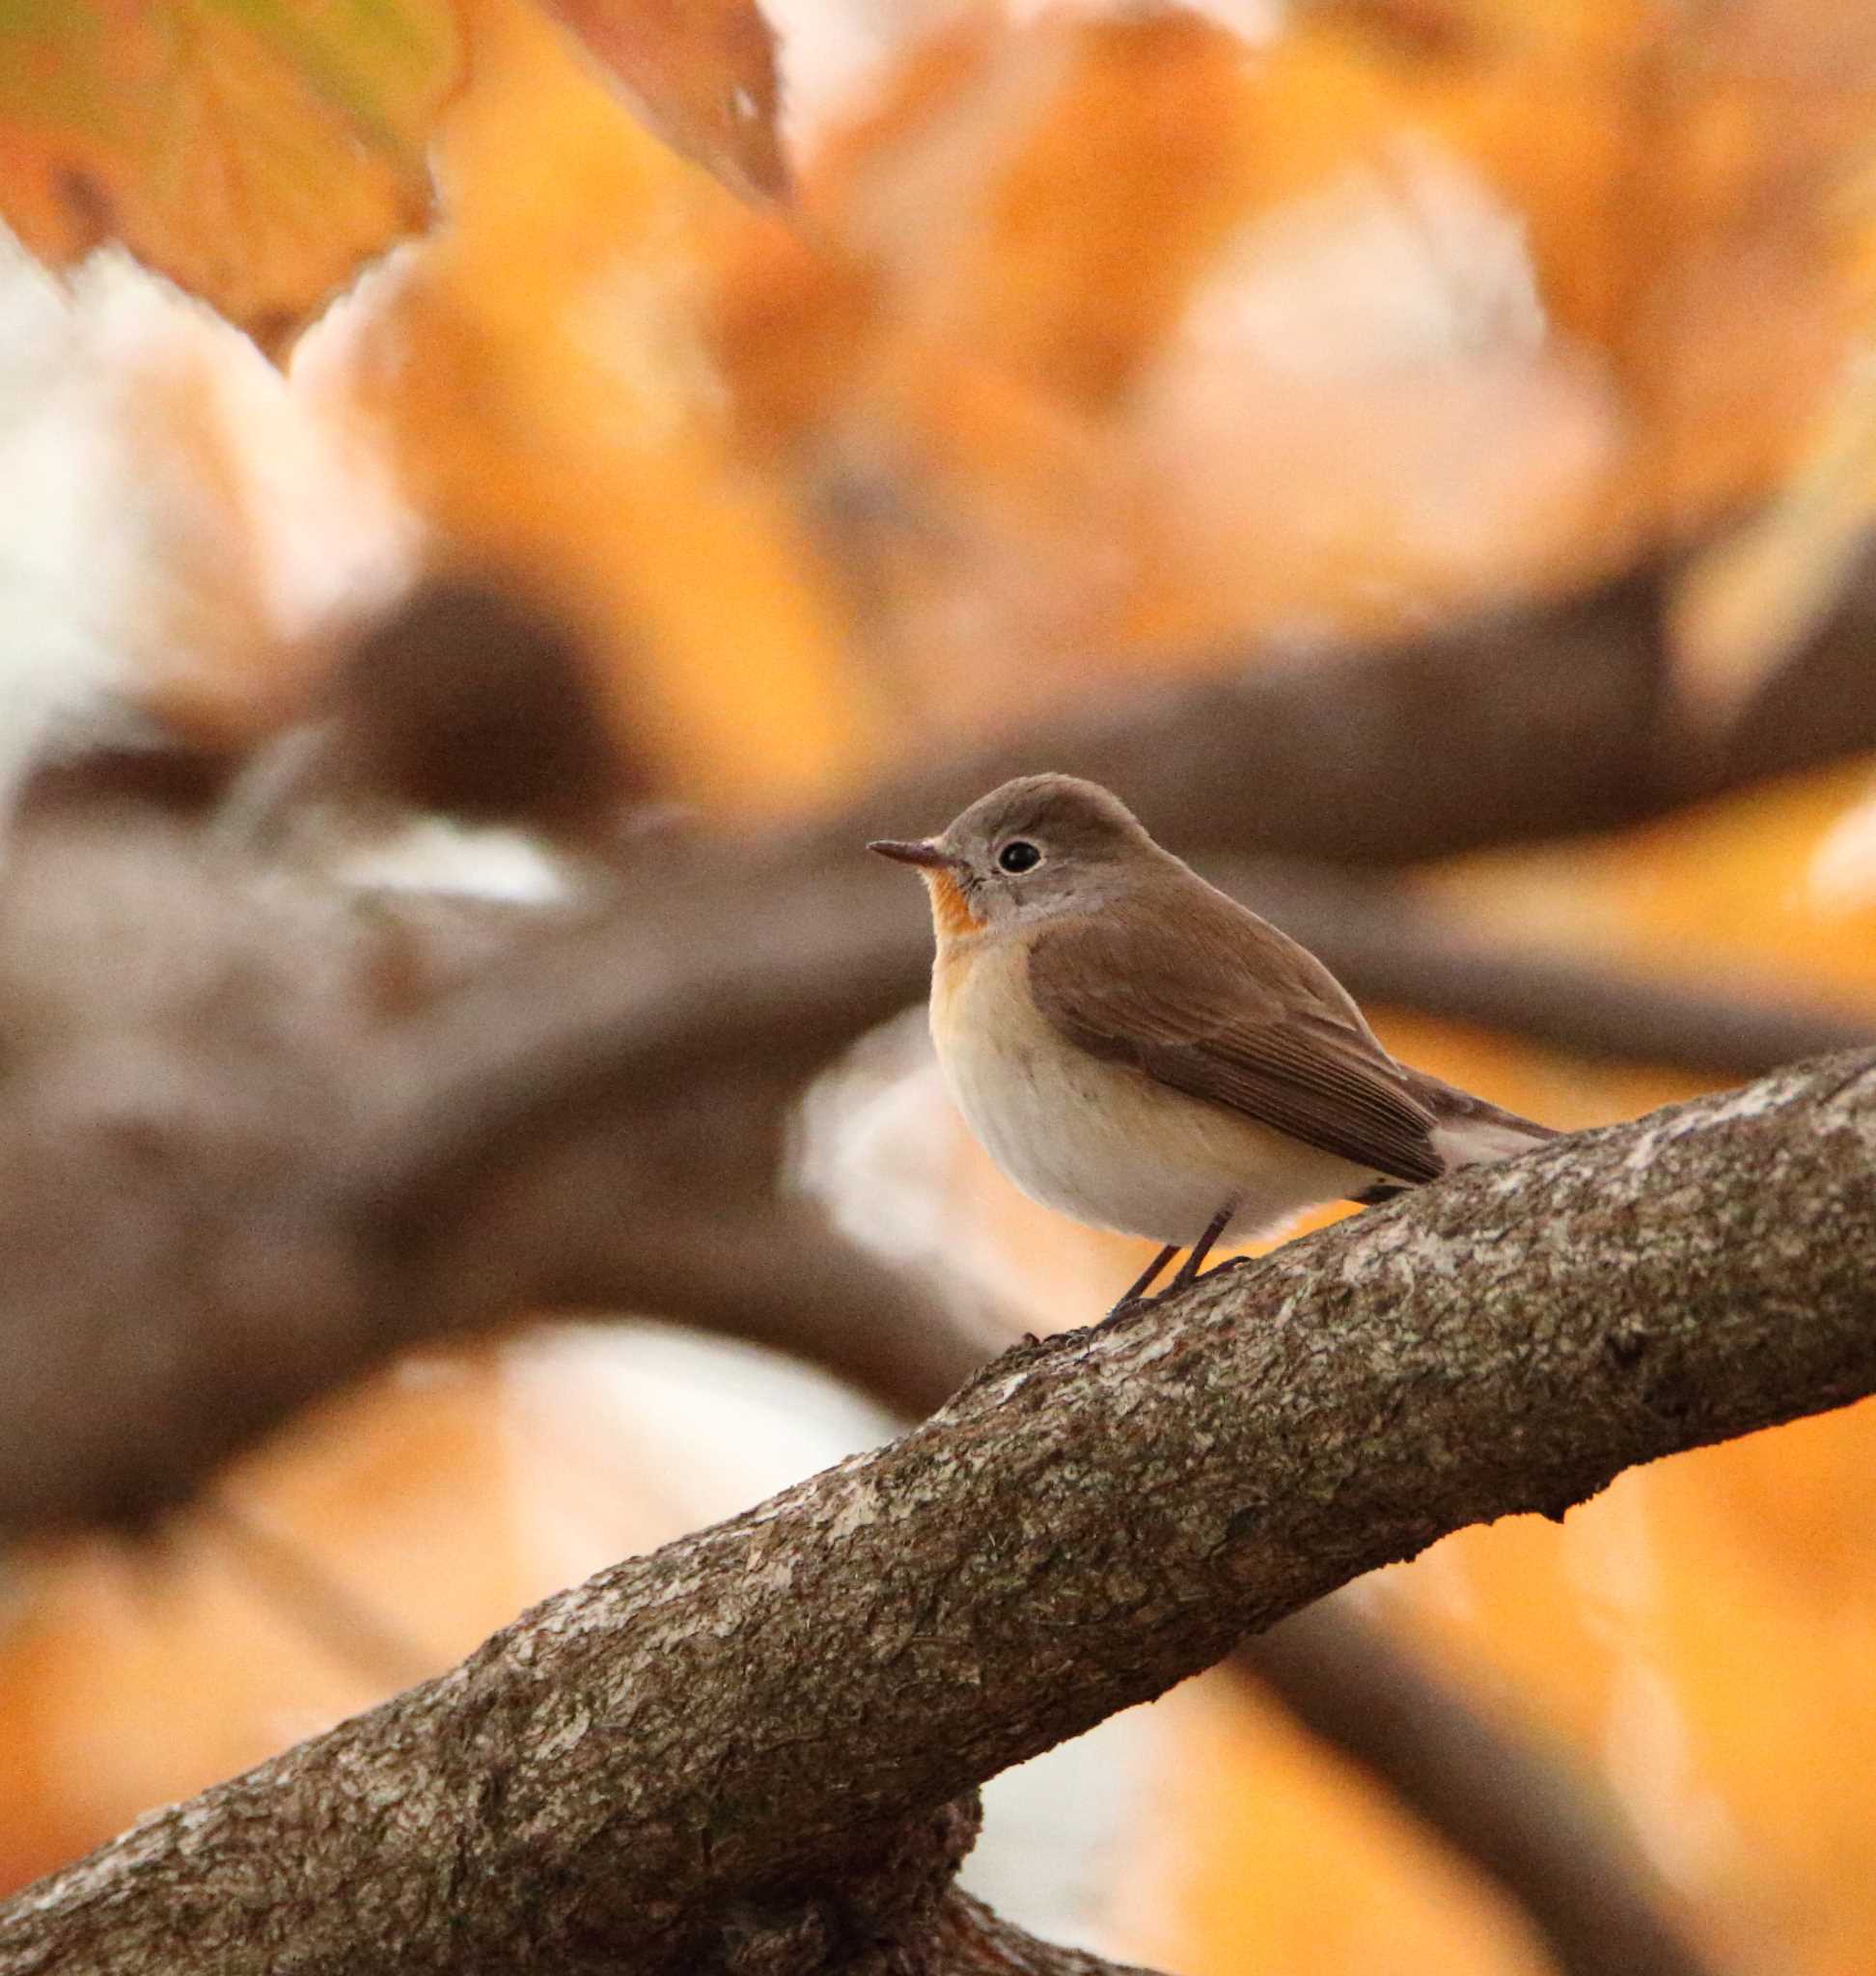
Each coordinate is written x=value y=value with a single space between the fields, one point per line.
x=299 y=1279
x=653 y=1051
x=164 y=1366
x=776 y=1704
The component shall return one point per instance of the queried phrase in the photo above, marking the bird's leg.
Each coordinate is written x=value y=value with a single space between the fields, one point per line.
x=1146 y=1277
x=1214 y=1229
x=1188 y=1270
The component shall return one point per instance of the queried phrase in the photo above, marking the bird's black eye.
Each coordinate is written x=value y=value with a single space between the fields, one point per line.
x=1019 y=855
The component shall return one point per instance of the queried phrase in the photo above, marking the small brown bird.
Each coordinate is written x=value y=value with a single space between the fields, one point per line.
x=1139 y=1052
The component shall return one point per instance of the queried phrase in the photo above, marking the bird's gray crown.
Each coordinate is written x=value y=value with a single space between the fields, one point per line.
x=1064 y=815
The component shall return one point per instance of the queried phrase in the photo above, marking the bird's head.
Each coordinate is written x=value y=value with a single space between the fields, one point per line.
x=1033 y=847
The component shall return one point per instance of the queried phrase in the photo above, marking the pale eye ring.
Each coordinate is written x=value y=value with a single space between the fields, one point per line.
x=1019 y=855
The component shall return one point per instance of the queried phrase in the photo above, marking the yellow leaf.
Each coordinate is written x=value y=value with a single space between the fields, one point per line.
x=254 y=151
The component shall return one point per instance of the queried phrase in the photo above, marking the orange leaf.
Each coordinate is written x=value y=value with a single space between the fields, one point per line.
x=702 y=72
x=542 y=373
x=254 y=151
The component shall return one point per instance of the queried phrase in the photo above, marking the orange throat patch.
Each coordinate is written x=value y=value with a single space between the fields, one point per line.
x=950 y=912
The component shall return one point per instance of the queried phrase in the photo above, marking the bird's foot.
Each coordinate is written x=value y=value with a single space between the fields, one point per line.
x=1136 y=1300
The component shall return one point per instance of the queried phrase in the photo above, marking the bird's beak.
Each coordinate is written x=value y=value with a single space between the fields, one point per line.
x=925 y=852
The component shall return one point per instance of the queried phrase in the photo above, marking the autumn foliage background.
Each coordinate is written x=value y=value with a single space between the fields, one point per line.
x=1023 y=356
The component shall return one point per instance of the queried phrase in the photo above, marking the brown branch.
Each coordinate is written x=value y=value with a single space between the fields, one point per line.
x=1452 y=1767
x=1515 y=1808
x=613 y=1779
x=1529 y=721
x=169 y=1363
x=778 y=1272
x=779 y=1277
x=1511 y=1807
x=770 y=1272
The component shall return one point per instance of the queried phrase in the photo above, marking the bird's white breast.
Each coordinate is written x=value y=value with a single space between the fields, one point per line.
x=1096 y=1139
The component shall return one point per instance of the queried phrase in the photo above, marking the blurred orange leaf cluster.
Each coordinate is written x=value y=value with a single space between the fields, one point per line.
x=1105 y=337
x=1093 y=338
x=540 y=374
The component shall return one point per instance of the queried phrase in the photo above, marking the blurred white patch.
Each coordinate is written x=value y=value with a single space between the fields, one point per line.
x=1055 y=1828
x=97 y=518
x=877 y=1144
x=1841 y=875
x=1405 y=262
x=432 y=854
x=328 y=531
x=1364 y=404
x=711 y=1425
x=1684 y=1827
x=1256 y=20
x=671 y=1431
x=866 y=1148
x=836 y=54
x=61 y=558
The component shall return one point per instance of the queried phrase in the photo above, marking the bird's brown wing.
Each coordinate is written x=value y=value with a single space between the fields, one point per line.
x=1213 y=1002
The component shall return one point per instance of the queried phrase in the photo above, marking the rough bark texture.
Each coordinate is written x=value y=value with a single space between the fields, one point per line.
x=778 y=1710
x=330 y=1131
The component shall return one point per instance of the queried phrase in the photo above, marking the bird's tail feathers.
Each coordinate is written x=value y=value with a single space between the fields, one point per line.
x=1465 y=1132
x=1469 y=1131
